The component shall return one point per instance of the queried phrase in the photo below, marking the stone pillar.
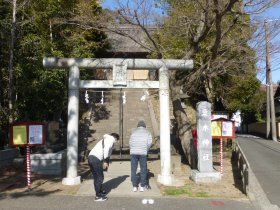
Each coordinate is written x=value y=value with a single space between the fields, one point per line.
x=204 y=139
x=72 y=128
x=205 y=172
x=165 y=154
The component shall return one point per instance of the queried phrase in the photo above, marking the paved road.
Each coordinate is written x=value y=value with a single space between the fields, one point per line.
x=264 y=159
x=63 y=202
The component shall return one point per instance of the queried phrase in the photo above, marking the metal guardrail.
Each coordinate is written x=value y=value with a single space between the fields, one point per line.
x=243 y=166
x=250 y=184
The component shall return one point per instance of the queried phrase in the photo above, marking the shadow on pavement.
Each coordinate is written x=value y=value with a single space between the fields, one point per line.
x=114 y=183
x=33 y=192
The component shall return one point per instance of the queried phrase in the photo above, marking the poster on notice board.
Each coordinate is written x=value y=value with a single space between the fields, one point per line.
x=35 y=134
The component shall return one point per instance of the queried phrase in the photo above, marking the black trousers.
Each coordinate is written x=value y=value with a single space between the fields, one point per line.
x=97 y=171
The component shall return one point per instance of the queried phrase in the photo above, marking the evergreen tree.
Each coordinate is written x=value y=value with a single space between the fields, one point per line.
x=44 y=29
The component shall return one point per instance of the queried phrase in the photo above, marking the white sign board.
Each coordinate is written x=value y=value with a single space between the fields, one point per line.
x=227 y=128
x=35 y=134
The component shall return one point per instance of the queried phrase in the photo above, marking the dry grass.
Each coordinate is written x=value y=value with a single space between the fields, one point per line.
x=229 y=186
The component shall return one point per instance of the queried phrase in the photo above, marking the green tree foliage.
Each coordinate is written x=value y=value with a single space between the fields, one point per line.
x=243 y=92
x=5 y=26
x=43 y=30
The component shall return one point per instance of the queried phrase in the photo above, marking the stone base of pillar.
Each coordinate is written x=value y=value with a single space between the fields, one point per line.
x=71 y=181
x=205 y=177
x=165 y=179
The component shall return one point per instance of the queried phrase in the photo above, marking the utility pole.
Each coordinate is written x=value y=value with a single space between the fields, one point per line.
x=269 y=90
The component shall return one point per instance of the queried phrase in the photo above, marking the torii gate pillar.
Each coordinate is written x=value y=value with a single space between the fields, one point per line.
x=73 y=128
x=119 y=66
x=165 y=154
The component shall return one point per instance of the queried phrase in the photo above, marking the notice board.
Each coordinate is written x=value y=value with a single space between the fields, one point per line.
x=27 y=134
x=222 y=128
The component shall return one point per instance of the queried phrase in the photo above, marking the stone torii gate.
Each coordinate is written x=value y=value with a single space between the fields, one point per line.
x=119 y=67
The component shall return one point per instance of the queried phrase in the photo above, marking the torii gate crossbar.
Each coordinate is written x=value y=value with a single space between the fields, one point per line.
x=119 y=67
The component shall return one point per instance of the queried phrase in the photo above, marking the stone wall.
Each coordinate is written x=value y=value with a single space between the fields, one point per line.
x=7 y=156
x=52 y=130
x=49 y=163
x=260 y=129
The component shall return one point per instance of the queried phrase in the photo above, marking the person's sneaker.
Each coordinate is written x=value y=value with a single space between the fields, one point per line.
x=141 y=189
x=134 y=189
x=104 y=198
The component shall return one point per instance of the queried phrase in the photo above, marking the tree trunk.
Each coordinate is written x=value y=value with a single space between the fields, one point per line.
x=1 y=90
x=11 y=64
x=184 y=134
x=51 y=34
x=208 y=88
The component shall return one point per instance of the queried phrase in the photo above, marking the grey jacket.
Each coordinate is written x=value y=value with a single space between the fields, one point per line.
x=140 y=141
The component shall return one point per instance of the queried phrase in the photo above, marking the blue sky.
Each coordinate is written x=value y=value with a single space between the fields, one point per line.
x=108 y=4
x=272 y=14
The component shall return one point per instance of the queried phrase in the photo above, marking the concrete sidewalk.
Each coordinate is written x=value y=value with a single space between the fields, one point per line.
x=117 y=182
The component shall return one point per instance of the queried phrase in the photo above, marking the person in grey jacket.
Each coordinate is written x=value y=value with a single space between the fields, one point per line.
x=139 y=143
